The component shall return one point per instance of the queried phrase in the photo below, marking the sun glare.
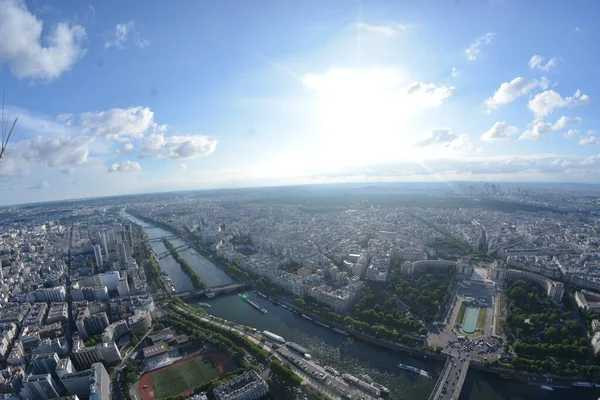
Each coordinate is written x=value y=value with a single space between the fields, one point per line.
x=362 y=112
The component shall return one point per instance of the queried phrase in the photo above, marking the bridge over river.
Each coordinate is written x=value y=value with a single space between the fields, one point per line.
x=451 y=380
x=159 y=239
x=167 y=253
x=211 y=291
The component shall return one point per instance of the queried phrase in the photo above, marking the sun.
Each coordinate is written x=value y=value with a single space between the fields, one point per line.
x=362 y=113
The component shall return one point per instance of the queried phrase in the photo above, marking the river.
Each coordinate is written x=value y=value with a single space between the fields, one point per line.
x=344 y=354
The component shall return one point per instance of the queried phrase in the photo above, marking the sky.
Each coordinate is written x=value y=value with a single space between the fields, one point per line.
x=118 y=97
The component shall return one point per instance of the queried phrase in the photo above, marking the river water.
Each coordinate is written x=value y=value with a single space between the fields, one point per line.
x=342 y=353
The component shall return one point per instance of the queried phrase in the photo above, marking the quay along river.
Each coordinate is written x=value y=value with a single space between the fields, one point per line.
x=345 y=354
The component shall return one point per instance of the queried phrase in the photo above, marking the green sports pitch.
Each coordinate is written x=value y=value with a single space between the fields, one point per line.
x=181 y=377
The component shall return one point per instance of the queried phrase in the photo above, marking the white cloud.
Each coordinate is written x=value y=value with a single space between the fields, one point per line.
x=571 y=133
x=127 y=147
x=589 y=140
x=182 y=167
x=500 y=130
x=388 y=30
x=177 y=147
x=446 y=138
x=544 y=103
x=537 y=62
x=123 y=32
x=428 y=94
x=27 y=53
x=119 y=123
x=509 y=91
x=454 y=72
x=541 y=128
x=563 y=122
x=473 y=51
x=125 y=166
x=60 y=151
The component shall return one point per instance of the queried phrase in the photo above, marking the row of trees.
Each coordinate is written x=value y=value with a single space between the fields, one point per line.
x=143 y=256
x=185 y=267
x=321 y=312
x=378 y=331
x=284 y=374
x=548 y=365
x=235 y=344
x=227 y=336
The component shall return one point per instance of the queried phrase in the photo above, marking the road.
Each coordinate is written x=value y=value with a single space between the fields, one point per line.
x=115 y=388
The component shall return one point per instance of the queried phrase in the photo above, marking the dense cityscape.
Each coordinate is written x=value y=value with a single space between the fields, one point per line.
x=118 y=297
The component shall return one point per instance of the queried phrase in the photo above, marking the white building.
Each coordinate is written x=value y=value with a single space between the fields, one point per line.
x=123 y=287
x=587 y=301
x=247 y=386
x=140 y=322
x=109 y=279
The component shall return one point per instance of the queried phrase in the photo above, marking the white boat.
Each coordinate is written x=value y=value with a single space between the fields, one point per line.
x=549 y=388
x=274 y=337
x=340 y=331
x=582 y=384
x=307 y=317
x=283 y=305
x=413 y=369
x=322 y=324
x=205 y=305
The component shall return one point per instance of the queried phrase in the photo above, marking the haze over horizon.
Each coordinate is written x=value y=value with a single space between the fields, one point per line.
x=114 y=98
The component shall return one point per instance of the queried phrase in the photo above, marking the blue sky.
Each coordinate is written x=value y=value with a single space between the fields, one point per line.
x=125 y=97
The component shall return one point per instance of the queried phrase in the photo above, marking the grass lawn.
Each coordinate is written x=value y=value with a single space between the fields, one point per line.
x=182 y=377
x=461 y=313
x=481 y=317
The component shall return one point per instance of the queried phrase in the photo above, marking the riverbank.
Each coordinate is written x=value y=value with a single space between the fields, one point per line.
x=231 y=270
x=351 y=354
x=185 y=267
x=367 y=338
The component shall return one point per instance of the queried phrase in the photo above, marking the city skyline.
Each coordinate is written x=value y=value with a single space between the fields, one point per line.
x=123 y=100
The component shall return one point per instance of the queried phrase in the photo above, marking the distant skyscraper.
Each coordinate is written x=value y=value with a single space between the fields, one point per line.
x=98 y=254
x=122 y=255
x=104 y=243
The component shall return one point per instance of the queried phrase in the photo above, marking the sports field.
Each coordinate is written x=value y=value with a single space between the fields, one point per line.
x=181 y=377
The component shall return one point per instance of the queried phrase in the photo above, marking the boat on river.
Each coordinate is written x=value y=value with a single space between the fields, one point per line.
x=367 y=387
x=307 y=317
x=413 y=369
x=340 y=331
x=370 y=380
x=549 y=388
x=322 y=324
x=253 y=304
x=205 y=305
x=261 y=295
x=298 y=349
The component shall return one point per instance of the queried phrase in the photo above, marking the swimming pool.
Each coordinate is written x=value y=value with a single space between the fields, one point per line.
x=469 y=322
